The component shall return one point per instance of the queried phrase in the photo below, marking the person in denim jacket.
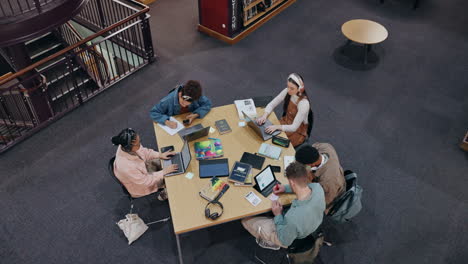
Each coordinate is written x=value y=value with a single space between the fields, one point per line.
x=183 y=99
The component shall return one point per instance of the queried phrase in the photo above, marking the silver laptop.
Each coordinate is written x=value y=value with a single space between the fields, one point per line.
x=197 y=134
x=182 y=159
x=260 y=130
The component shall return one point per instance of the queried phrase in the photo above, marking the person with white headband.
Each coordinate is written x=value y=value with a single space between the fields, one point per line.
x=296 y=111
x=183 y=99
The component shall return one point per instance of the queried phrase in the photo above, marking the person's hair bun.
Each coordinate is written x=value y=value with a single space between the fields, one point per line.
x=116 y=140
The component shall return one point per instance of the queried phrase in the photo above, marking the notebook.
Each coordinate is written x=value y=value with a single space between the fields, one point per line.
x=208 y=149
x=269 y=151
x=212 y=189
x=240 y=171
x=223 y=126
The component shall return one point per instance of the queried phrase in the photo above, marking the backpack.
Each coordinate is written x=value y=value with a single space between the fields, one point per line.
x=348 y=204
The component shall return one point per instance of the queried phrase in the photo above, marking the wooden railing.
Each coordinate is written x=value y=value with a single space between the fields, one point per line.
x=35 y=96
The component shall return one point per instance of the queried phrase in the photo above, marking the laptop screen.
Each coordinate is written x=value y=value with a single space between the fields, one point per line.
x=186 y=157
x=265 y=178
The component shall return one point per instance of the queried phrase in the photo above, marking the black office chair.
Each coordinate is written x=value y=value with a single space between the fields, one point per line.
x=110 y=167
x=300 y=246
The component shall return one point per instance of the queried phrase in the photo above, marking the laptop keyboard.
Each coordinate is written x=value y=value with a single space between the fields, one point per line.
x=176 y=160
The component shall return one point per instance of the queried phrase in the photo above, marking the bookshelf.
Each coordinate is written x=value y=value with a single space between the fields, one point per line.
x=215 y=17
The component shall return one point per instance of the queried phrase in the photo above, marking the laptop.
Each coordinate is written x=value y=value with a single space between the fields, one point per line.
x=265 y=181
x=182 y=159
x=260 y=130
x=197 y=134
x=216 y=167
x=189 y=130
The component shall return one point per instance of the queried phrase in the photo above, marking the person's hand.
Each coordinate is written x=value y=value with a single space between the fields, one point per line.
x=192 y=117
x=171 y=124
x=276 y=208
x=170 y=169
x=166 y=155
x=279 y=189
x=261 y=120
x=271 y=129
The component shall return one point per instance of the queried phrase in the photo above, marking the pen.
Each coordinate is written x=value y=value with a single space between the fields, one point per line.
x=214 y=138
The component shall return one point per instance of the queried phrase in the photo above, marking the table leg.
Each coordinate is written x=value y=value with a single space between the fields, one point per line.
x=181 y=261
x=365 y=52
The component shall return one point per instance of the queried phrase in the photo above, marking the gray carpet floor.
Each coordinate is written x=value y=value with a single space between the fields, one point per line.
x=398 y=124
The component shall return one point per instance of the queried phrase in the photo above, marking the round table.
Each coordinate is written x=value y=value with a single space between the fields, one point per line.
x=364 y=32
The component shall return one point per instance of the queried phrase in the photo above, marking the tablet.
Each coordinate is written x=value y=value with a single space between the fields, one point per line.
x=215 y=167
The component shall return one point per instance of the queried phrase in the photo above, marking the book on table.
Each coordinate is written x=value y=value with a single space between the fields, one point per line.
x=223 y=126
x=211 y=191
x=240 y=171
x=270 y=151
x=208 y=149
x=249 y=182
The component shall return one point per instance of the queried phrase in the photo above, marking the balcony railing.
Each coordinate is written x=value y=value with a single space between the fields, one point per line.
x=37 y=95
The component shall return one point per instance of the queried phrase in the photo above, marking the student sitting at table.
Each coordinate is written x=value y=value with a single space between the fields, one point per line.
x=303 y=217
x=296 y=111
x=325 y=168
x=183 y=99
x=139 y=168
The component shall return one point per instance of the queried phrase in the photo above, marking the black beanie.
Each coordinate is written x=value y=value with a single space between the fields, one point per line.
x=307 y=154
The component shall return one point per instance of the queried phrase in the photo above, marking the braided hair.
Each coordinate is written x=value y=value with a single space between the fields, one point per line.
x=125 y=139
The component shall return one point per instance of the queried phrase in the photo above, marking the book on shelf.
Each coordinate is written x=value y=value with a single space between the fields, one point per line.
x=270 y=151
x=247 y=106
x=208 y=149
x=223 y=126
x=240 y=172
x=211 y=191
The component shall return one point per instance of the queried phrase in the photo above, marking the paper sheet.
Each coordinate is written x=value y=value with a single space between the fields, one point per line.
x=273 y=197
x=172 y=131
x=253 y=198
x=189 y=175
x=288 y=160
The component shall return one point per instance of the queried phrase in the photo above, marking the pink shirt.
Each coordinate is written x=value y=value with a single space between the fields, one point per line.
x=132 y=173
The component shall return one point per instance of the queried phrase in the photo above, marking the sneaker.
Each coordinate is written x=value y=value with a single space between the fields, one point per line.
x=162 y=196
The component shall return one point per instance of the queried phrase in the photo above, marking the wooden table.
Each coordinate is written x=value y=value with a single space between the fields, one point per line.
x=364 y=32
x=186 y=205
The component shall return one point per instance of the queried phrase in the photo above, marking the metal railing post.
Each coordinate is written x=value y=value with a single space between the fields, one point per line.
x=147 y=40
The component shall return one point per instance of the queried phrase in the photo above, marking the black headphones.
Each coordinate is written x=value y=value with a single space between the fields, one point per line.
x=215 y=215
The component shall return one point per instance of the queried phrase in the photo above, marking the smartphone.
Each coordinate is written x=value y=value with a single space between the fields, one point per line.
x=186 y=121
x=167 y=148
x=275 y=168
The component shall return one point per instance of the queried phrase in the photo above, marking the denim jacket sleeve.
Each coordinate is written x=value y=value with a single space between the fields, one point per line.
x=159 y=112
x=203 y=107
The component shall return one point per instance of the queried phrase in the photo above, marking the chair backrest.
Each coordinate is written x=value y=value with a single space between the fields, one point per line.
x=310 y=120
x=348 y=204
x=306 y=243
x=110 y=167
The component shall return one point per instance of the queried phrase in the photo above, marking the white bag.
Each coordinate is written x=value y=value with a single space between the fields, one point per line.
x=133 y=227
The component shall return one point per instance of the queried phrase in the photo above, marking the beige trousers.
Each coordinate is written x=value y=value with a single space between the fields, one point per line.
x=268 y=229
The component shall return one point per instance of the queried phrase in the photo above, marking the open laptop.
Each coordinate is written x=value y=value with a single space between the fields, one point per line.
x=260 y=130
x=265 y=181
x=182 y=159
x=194 y=132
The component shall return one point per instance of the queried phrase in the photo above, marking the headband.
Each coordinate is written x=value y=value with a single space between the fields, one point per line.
x=297 y=79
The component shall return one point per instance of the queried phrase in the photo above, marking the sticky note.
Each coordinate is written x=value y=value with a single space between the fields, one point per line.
x=242 y=124
x=212 y=130
x=274 y=197
x=189 y=175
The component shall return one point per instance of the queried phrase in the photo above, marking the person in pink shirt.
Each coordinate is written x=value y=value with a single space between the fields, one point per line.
x=139 y=168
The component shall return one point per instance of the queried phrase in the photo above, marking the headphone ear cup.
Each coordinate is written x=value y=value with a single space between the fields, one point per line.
x=207 y=213
x=214 y=216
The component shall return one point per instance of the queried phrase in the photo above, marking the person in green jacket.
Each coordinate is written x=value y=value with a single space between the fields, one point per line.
x=302 y=219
